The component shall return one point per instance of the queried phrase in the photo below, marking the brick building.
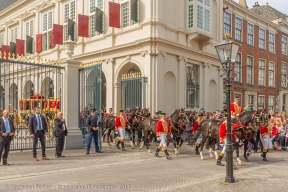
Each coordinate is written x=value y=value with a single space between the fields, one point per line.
x=261 y=72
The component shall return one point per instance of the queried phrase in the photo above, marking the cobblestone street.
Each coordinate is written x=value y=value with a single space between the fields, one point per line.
x=137 y=170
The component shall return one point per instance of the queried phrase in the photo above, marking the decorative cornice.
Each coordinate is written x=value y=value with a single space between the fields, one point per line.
x=109 y=60
x=206 y=65
x=182 y=58
x=163 y=53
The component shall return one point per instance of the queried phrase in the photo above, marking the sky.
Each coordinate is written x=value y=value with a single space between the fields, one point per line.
x=280 y=5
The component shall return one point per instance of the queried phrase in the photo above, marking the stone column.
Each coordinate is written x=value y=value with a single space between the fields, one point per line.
x=204 y=87
x=181 y=81
x=70 y=98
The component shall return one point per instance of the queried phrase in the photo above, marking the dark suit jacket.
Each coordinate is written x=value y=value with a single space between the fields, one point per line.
x=90 y=123
x=33 y=124
x=58 y=124
x=3 y=128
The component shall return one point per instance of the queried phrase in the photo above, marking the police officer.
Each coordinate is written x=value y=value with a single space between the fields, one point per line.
x=93 y=123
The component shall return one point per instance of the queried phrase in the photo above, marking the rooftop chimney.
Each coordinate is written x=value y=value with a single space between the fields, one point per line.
x=243 y=3
x=256 y=4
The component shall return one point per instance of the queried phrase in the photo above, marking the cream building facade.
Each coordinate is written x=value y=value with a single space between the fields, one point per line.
x=171 y=45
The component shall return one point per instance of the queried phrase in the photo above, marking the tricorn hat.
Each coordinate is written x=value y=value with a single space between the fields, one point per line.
x=163 y=114
x=237 y=97
x=93 y=110
x=121 y=110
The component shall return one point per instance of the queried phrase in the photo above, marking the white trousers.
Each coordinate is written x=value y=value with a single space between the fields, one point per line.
x=121 y=132
x=225 y=146
x=267 y=143
x=163 y=140
x=199 y=140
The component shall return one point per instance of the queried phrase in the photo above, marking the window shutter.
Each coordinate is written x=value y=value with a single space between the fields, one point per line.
x=99 y=20
x=71 y=29
x=12 y=48
x=57 y=35
x=20 y=47
x=44 y=42
x=5 y=49
x=29 y=44
x=114 y=15
x=83 y=30
x=39 y=43
x=134 y=10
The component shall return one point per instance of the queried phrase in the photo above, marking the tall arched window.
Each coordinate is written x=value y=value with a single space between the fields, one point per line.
x=192 y=87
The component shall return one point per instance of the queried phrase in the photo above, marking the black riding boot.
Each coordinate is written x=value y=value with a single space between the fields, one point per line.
x=123 y=148
x=117 y=145
x=264 y=156
x=219 y=160
x=167 y=154
x=157 y=152
x=197 y=150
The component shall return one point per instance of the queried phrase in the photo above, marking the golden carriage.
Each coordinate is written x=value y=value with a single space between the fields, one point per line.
x=50 y=106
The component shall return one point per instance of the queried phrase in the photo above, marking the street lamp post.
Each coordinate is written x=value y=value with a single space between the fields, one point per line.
x=227 y=51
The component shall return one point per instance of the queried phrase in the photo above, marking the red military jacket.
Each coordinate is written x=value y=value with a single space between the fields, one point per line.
x=235 y=109
x=223 y=132
x=120 y=122
x=195 y=127
x=274 y=131
x=163 y=127
x=266 y=130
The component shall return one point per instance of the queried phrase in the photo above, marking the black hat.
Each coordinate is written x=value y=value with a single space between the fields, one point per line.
x=163 y=114
x=93 y=110
x=200 y=114
x=237 y=97
x=121 y=110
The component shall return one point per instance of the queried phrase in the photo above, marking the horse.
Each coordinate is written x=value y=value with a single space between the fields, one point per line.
x=141 y=115
x=245 y=132
x=149 y=128
x=210 y=130
x=178 y=122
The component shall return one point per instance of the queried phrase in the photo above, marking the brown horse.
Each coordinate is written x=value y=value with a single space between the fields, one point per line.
x=210 y=130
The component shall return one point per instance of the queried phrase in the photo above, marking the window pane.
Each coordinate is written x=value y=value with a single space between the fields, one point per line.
x=72 y=11
x=125 y=15
x=92 y=6
x=92 y=28
x=100 y=4
x=45 y=22
x=192 y=89
x=31 y=28
x=50 y=20
x=207 y=3
x=250 y=34
x=28 y=29
x=66 y=13
x=283 y=75
x=271 y=74
x=199 y=16
x=262 y=38
x=227 y=23
x=190 y=16
x=207 y=20
x=238 y=28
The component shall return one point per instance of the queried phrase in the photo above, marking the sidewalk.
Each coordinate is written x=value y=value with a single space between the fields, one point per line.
x=138 y=170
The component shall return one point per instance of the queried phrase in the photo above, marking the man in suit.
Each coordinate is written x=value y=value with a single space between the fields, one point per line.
x=60 y=132
x=38 y=129
x=6 y=135
x=93 y=123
